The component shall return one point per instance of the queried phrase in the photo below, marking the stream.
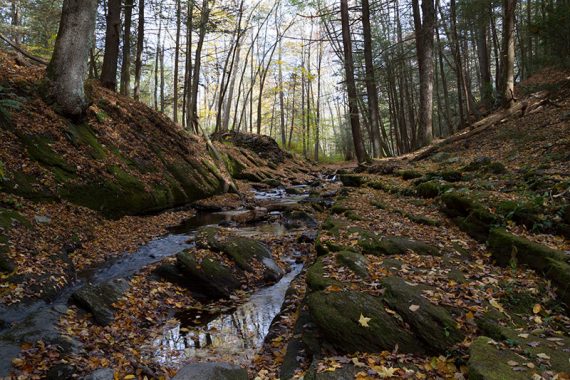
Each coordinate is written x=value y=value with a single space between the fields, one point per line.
x=239 y=331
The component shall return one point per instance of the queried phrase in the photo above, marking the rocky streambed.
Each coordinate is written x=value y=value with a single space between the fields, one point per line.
x=236 y=264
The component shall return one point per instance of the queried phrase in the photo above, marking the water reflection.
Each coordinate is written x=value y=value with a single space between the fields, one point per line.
x=235 y=336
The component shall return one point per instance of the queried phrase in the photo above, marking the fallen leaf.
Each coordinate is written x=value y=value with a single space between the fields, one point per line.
x=536 y=309
x=364 y=321
x=414 y=308
x=542 y=355
x=497 y=305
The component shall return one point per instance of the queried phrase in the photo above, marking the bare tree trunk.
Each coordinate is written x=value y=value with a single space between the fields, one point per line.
x=188 y=69
x=157 y=57
x=176 y=60
x=16 y=22
x=281 y=99
x=126 y=67
x=112 y=36
x=371 y=90
x=508 y=65
x=193 y=114
x=361 y=155
x=318 y=106
x=140 y=48
x=162 y=82
x=69 y=64
x=484 y=63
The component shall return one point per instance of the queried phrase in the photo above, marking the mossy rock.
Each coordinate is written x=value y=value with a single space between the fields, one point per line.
x=354 y=261
x=334 y=225
x=353 y=180
x=82 y=134
x=432 y=324
x=99 y=299
x=243 y=251
x=509 y=249
x=218 y=279
x=379 y=205
x=487 y=362
x=526 y=214
x=9 y=217
x=337 y=315
x=431 y=189
x=379 y=185
x=410 y=174
x=373 y=244
x=446 y=175
x=316 y=277
x=468 y=214
x=352 y=215
x=39 y=149
x=424 y=220
x=478 y=164
x=338 y=208
x=327 y=246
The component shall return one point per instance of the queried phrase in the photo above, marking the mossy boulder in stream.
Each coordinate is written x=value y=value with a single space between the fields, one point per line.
x=217 y=278
x=337 y=315
x=244 y=251
x=99 y=299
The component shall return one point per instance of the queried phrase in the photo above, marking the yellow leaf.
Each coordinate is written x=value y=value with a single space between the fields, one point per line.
x=536 y=309
x=496 y=305
x=469 y=315
x=129 y=377
x=363 y=320
x=333 y=288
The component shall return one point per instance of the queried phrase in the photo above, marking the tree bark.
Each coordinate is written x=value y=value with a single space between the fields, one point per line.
x=112 y=36
x=361 y=155
x=176 y=61
x=69 y=64
x=126 y=67
x=424 y=26
x=508 y=65
x=193 y=113
x=140 y=47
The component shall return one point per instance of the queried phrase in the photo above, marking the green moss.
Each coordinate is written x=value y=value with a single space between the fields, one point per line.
x=354 y=261
x=379 y=205
x=410 y=174
x=353 y=180
x=8 y=217
x=420 y=219
x=316 y=278
x=83 y=134
x=488 y=362
x=101 y=116
x=351 y=215
x=468 y=214
x=338 y=208
x=39 y=149
x=25 y=185
x=431 y=189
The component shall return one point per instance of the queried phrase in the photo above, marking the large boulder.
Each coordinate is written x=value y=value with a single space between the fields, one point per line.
x=471 y=216
x=217 y=278
x=430 y=323
x=338 y=314
x=377 y=245
x=99 y=299
x=244 y=251
x=487 y=362
x=354 y=261
x=211 y=371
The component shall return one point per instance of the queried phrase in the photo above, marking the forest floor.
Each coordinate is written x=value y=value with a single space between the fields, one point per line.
x=450 y=263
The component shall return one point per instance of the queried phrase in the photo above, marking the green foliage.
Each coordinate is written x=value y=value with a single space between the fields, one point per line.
x=7 y=104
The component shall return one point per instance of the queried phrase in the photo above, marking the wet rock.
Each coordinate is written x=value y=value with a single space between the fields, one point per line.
x=251 y=216
x=307 y=237
x=293 y=191
x=217 y=278
x=298 y=219
x=244 y=251
x=431 y=323
x=354 y=261
x=272 y=182
x=487 y=362
x=60 y=372
x=211 y=371
x=99 y=299
x=101 y=374
x=337 y=316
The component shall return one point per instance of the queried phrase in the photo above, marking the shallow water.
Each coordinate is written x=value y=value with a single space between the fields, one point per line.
x=235 y=336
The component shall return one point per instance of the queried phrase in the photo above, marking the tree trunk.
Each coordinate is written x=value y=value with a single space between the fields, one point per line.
x=69 y=63
x=424 y=25
x=484 y=63
x=112 y=35
x=126 y=67
x=176 y=60
x=281 y=99
x=140 y=48
x=371 y=90
x=16 y=21
x=508 y=65
x=193 y=114
x=361 y=155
